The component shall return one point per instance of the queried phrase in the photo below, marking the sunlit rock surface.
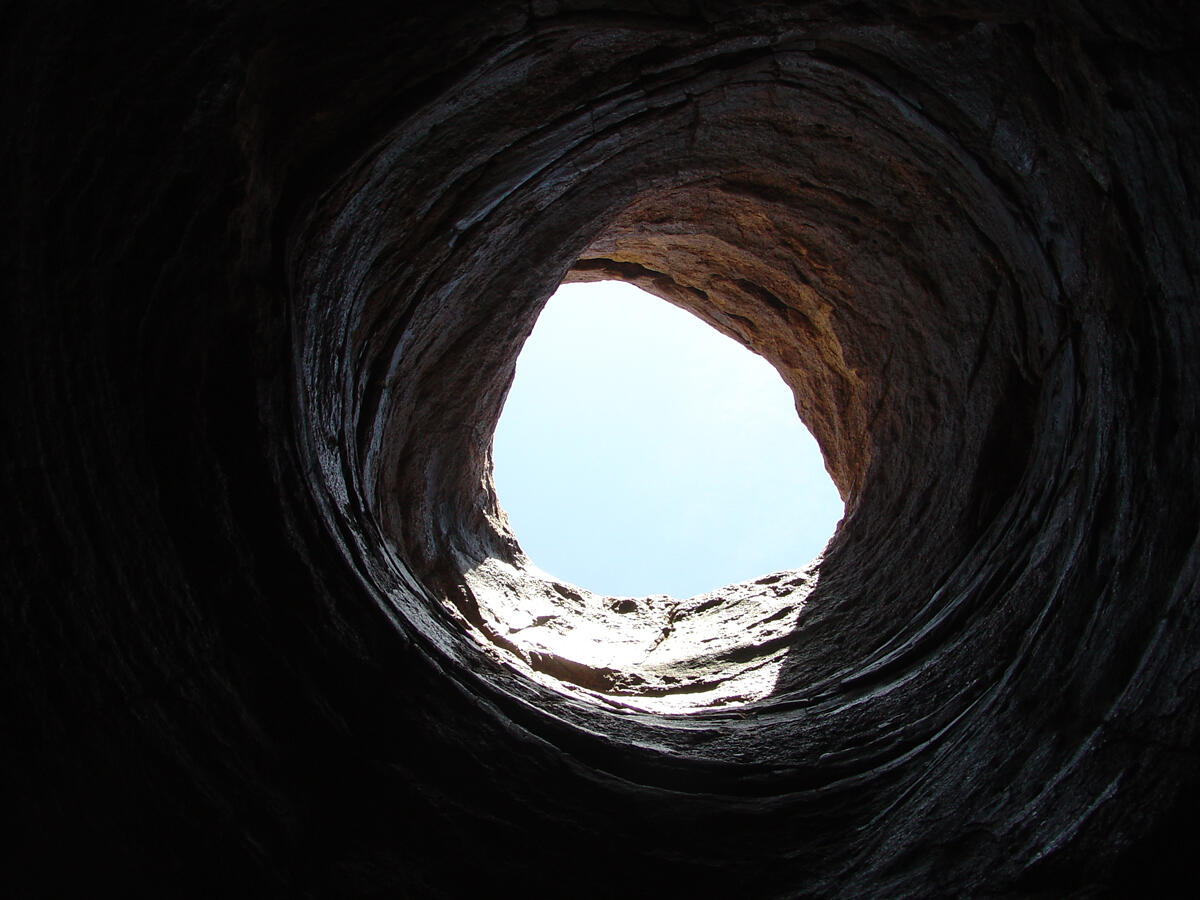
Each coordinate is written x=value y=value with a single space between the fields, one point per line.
x=666 y=654
x=267 y=272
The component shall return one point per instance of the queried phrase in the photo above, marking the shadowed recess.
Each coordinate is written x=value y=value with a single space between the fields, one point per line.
x=269 y=272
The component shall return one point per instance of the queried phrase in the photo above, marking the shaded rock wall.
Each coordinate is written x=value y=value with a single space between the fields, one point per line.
x=267 y=276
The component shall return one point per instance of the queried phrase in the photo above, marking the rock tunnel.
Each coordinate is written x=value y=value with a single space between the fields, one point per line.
x=269 y=269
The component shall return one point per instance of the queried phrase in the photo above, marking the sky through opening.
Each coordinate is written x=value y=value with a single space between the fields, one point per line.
x=641 y=452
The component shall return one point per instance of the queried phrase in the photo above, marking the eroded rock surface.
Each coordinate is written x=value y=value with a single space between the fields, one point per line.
x=665 y=654
x=267 y=273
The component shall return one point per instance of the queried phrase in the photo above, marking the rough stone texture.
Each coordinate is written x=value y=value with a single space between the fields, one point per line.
x=659 y=653
x=266 y=275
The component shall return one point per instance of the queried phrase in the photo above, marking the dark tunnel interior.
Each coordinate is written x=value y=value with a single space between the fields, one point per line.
x=268 y=270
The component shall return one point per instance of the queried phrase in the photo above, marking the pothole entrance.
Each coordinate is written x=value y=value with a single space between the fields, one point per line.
x=652 y=459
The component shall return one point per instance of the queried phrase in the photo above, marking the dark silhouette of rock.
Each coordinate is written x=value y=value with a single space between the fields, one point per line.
x=267 y=271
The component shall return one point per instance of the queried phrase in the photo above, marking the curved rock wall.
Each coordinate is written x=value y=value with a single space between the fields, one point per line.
x=268 y=276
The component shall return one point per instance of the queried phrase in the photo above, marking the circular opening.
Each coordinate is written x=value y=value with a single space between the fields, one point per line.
x=720 y=428
x=640 y=451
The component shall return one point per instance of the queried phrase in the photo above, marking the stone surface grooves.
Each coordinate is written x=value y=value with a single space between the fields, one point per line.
x=267 y=269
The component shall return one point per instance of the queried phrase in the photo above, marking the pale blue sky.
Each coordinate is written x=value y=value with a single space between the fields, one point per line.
x=642 y=452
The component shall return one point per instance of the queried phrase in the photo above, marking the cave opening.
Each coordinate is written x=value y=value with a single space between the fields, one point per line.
x=270 y=273
x=664 y=466
x=640 y=451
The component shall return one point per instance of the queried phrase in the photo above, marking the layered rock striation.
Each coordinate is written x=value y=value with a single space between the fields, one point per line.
x=267 y=276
